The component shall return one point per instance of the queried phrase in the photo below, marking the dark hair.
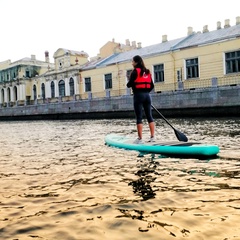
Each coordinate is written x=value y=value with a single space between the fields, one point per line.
x=140 y=64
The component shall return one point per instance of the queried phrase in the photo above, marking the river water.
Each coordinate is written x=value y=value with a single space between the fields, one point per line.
x=60 y=181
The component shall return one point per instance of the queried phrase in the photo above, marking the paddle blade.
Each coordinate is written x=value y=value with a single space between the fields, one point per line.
x=180 y=136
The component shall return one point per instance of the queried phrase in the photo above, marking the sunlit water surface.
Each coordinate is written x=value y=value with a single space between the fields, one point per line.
x=60 y=181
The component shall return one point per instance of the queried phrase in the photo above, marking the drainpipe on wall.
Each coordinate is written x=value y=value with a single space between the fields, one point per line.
x=174 y=67
x=118 y=78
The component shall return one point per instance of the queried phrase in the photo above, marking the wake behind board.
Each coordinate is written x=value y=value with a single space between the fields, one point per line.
x=184 y=149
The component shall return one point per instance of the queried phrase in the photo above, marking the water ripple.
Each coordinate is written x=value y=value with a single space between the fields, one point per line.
x=60 y=181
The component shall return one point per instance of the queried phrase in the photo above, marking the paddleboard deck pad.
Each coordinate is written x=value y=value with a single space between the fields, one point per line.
x=175 y=148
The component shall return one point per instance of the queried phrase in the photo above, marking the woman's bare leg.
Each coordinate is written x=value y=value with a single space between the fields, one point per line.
x=139 y=130
x=152 y=128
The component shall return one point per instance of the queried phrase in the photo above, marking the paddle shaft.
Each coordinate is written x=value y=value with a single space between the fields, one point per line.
x=180 y=136
x=163 y=117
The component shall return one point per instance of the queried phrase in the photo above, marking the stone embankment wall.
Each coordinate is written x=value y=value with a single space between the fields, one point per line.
x=208 y=102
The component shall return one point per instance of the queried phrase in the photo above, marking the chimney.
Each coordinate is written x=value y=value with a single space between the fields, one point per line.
x=127 y=42
x=164 y=38
x=134 y=44
x=113 y=40
x=205 y=29
x=139 y=45
x=227 y=23
x=218 y=25
x=190 y=31
x=33 y=57
x=237 y=20
x=47 y=56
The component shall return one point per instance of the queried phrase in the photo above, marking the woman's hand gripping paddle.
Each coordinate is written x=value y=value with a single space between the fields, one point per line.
x=180 y=136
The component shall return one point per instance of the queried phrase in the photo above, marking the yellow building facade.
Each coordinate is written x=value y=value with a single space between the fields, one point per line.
x=190 y=62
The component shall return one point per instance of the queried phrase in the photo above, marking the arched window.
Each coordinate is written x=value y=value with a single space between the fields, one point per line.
x=34 y=92
x=43 y=90
x=71 y=86
x=2 y=96
x=61 y=86
x=15 y=93
x=9 y=95
x=52 y=89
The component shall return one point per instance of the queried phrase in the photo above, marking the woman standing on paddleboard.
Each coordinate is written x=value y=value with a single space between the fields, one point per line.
x=140 y=81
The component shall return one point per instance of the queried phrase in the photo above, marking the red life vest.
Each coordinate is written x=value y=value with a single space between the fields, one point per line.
x=144 y=81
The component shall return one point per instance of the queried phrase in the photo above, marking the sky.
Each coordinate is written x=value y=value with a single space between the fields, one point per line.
x=31 y=27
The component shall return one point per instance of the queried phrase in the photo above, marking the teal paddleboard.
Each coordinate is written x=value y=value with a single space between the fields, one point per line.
x=187 y=149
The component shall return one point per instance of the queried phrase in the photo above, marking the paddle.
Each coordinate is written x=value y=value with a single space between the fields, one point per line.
x=180 y=136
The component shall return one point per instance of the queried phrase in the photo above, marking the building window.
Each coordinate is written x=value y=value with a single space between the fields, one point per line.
x=108 y=80
x=2 y=96
x=9 y=95
x=34 y=92
x=71 y=87
x=43 y=90
x=52 y=89
x=192 y=68
x=158 y=73
x=88 y=86
x=232 y=62
x=27 y=74
x=61 y=86
x=60 y=64
x=15 y=93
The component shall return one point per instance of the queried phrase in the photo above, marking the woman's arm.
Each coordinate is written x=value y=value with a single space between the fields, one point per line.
x=132 y=78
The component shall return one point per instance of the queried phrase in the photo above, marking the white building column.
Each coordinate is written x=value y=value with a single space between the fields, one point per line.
x=22 y=92
x=11 y=94
x=67 y=88
x=76 y=84
x=56 y=88
x=48 y=89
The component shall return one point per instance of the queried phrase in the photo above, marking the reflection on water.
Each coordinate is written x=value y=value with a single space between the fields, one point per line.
x=142 y=186
x=60 y=181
